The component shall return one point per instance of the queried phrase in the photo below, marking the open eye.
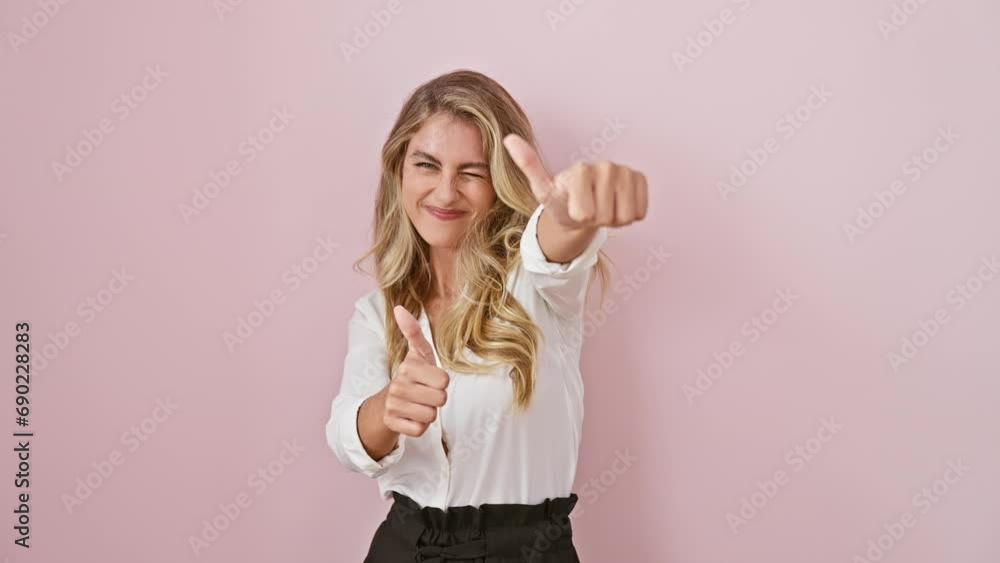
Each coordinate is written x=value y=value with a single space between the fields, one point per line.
x=427 y=165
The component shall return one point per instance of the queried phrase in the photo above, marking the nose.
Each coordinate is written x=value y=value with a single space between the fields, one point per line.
x=446 y=192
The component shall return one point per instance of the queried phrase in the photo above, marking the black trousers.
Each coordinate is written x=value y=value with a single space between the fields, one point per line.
x=491 y=533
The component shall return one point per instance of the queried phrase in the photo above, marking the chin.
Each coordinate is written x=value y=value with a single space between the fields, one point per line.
x=439 y=239
x=443 y=243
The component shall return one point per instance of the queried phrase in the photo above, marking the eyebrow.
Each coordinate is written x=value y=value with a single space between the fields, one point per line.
x=422 y=155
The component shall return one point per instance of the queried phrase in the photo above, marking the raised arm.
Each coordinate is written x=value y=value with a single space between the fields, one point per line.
x=364 y=376
x=371 y=417
x=562 y=238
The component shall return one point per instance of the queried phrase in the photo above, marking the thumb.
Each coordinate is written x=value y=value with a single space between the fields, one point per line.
x=410 y=328
x=527 y=159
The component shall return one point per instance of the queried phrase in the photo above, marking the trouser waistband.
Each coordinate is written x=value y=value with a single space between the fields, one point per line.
x=467 y=533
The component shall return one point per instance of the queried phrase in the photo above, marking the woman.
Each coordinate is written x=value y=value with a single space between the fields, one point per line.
x=461 y=390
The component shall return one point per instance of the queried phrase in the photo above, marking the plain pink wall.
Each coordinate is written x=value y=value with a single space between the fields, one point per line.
x=214 y=80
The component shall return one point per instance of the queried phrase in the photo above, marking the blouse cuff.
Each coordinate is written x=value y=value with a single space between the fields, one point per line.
x=534 y=259
x=355 y=450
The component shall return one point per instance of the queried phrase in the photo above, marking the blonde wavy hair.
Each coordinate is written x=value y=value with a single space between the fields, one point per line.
x=485 y=317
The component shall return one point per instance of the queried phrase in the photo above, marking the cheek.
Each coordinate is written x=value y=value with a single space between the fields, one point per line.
x=483 y=197
x=411 y=192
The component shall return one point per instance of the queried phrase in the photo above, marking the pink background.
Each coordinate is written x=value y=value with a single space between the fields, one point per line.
x=826 y=356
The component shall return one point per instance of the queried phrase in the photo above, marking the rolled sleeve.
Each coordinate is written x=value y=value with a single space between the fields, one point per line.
x=342 y=432
x=562 y=285
x=364 y=375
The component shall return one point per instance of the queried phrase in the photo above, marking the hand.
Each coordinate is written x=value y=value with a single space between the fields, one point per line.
x=585 y=194
x=419 y=386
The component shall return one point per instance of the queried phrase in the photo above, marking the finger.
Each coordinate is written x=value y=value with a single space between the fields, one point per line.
x=424 y=394
x=431 y=376
x=526 y=158
x=406 y=427
x=414 y=336
x=580 y=188
x=398 y=408
x=641 y=196
x=607 y=178
x=625 y=200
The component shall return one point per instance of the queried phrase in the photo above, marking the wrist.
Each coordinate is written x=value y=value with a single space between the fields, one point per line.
x=377 y=438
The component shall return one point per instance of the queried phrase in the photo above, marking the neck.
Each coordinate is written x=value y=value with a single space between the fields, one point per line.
x=443 y=261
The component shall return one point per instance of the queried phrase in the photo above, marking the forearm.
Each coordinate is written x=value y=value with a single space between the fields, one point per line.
x=559 y=243
x=376 y=437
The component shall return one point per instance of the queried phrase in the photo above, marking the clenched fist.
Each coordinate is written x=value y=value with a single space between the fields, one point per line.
x=419 y=386
x=585 y=194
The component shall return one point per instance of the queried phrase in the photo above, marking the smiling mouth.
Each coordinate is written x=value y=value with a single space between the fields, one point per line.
x=444 y=214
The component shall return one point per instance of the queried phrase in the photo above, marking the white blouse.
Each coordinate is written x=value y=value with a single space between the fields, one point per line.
x=494 y=456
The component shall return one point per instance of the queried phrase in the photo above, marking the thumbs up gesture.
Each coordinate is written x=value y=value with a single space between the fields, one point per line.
x=585 y=194
x=419 y=386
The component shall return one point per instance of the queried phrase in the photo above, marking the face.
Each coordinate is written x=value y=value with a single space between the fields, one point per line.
x=446 y=180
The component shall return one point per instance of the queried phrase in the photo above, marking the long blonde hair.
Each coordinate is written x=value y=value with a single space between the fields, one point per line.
x=485 y=317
